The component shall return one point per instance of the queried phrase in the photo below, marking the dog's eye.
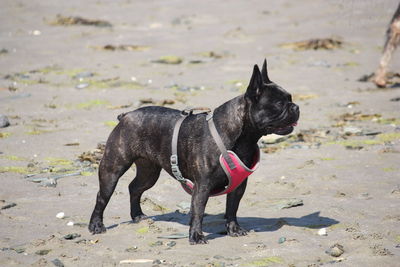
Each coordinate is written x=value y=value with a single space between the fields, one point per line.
x=279 y=104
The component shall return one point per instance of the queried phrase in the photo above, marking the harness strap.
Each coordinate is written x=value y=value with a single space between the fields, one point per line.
x=174 y=150
x=219 y=142
x=174 y=144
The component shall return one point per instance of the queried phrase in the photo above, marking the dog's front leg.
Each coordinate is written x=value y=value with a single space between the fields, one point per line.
x=199 y=201
x=232 y=204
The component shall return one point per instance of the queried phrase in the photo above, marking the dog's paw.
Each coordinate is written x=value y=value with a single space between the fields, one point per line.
x=97 y=227
x=197 y=238
x=235 y=230
x=139 y=218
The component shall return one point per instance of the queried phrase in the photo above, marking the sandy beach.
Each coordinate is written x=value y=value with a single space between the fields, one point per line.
x=328 y=194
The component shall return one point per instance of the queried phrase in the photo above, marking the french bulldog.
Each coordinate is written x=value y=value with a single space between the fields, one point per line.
x=143 y=137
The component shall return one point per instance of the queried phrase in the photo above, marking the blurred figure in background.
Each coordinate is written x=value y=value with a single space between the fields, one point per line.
x=392 y=40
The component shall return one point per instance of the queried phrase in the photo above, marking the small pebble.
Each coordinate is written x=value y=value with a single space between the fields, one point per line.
x=60 y=215
x=57 y=263
x=4 y=122
x=71 y=236
x=322 y=232
x=335 y=250
x=70 y=223
x=282 y=240
x=82 y=86
x=171 y=244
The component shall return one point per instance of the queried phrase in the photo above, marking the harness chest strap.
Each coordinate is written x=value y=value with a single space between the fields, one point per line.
x=219 y=142
x=234 y=168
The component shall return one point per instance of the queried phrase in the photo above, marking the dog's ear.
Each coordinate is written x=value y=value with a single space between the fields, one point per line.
x=254 y=89
x=264 y=73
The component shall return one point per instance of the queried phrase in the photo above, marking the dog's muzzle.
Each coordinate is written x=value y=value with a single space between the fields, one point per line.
x=290 y=117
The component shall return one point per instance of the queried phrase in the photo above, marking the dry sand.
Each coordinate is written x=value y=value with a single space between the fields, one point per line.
x=59 y=86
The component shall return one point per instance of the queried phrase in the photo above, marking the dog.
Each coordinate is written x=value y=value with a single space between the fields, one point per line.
x=392 y=41
x=143 y=137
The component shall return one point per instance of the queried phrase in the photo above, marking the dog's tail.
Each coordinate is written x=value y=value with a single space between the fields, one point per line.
x=120 y=116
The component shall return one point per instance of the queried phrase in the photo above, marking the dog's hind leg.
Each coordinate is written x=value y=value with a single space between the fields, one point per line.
x=232 y=204
x=147 y=174
x=113 y=165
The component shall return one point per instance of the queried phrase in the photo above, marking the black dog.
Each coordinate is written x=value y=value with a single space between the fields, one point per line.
x=144 y=137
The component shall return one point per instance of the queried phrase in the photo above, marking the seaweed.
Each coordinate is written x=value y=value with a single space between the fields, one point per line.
x=314 y=44
x=61 y=20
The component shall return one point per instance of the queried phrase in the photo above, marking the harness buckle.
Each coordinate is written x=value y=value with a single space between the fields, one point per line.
x=175 y=169
x=174 y=160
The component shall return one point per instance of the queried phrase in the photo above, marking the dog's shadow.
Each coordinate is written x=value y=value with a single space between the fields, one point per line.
x=215 y=224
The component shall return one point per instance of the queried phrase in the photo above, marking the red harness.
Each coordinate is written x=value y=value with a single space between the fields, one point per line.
x=235 y=170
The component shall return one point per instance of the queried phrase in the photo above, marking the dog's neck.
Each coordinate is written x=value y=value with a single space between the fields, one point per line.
x=231 y=120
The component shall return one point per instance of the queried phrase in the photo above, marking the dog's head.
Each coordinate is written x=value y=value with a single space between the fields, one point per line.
x=270 y=107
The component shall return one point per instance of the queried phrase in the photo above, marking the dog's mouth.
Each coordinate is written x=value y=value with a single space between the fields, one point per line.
x=285 y=130
x=283 y=123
